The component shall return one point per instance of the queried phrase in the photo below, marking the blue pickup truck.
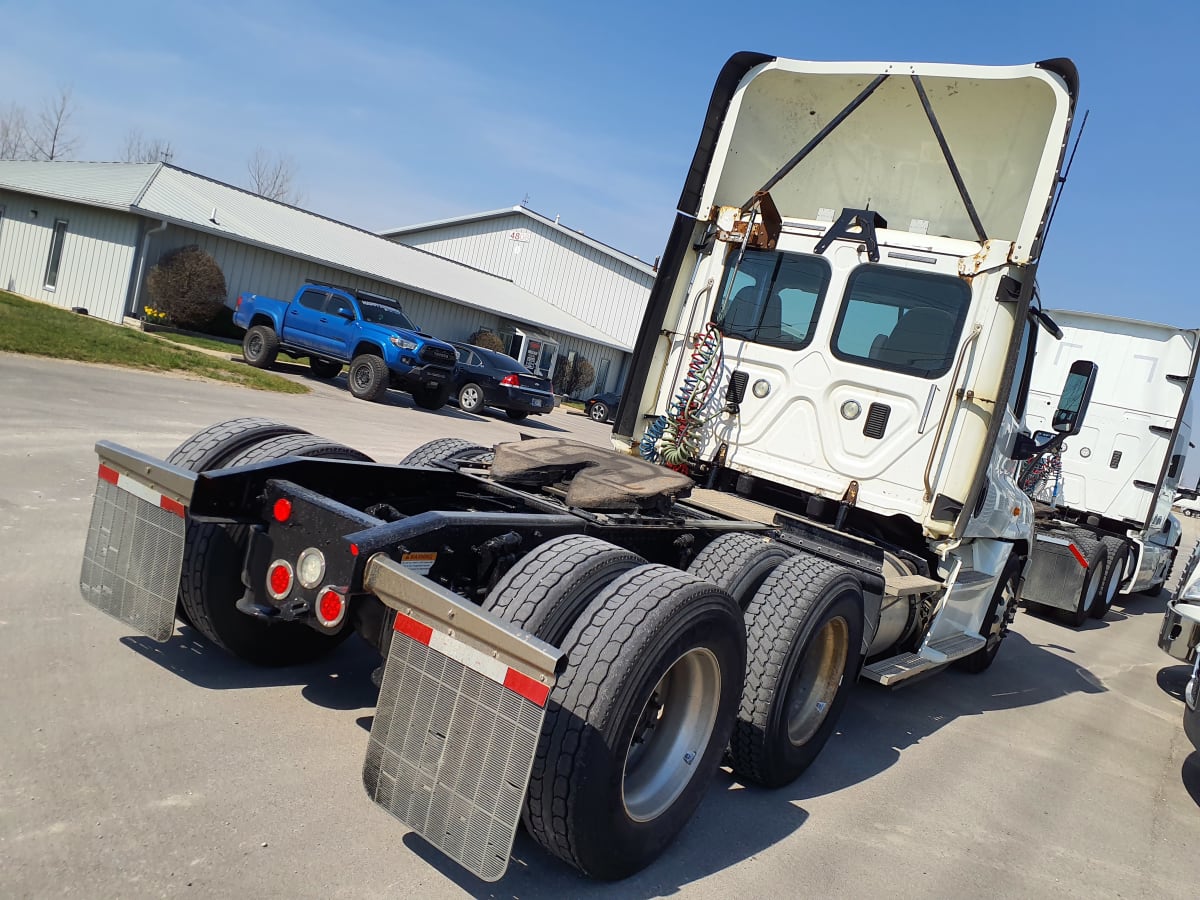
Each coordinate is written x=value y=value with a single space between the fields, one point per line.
x=333 y=326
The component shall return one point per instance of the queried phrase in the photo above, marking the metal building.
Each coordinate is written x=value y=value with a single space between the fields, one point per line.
x=577 y=274
x=84 y=235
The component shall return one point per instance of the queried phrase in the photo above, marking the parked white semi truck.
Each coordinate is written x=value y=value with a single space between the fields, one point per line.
x=1103 y=510
x=833 y=365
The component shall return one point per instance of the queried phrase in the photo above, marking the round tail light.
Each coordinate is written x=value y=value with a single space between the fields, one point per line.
x=331 y=608
x=310 y=567
x=279 y=579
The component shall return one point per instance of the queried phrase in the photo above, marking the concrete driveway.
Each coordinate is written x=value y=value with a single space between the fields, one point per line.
x=135 y=769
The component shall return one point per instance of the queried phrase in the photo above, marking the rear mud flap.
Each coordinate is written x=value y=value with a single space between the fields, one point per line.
x=133 y=556
x=457 y=725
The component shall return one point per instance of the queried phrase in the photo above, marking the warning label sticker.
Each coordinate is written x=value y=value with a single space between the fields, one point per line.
x=420 y=563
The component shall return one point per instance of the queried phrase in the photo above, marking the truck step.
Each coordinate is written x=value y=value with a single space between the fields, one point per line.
x=908 y=585
x=937 y=653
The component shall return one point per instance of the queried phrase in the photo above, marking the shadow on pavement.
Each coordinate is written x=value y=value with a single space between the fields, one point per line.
x=1173 y=679
x=1189 y=774
x=341 y=680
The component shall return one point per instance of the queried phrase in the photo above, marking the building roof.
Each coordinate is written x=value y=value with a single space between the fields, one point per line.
x=175 y=195
x=579 y=236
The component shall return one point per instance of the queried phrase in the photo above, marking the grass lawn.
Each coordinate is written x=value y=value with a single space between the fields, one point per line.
x=41 y=330
x=197 y=341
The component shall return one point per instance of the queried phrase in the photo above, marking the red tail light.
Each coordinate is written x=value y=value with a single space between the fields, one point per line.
x=331 y=608
x=279 y=579
x=512 y=379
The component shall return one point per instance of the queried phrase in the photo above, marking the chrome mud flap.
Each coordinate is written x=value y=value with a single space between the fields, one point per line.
x=456 y=729
x=134 y=553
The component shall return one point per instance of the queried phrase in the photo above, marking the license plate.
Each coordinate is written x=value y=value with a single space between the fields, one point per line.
x=536 y=404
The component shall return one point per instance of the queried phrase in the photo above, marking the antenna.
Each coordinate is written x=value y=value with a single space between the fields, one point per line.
x=1062 y=181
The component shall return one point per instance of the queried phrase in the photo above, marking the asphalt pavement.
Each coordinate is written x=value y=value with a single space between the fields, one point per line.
x=135 y=769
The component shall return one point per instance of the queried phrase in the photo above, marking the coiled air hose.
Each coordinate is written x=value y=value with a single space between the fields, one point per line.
x=674 y=439
x=1040 y=473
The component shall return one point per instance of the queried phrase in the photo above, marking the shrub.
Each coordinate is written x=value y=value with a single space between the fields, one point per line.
x=571 y=377
x=187 y=285
x=488 y=340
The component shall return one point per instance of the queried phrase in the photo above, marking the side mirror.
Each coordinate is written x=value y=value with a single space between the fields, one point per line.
x=1076 y=395
x=345 y=312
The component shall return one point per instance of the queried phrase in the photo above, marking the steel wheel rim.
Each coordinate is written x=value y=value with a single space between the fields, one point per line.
x=470 y=396
x=362 y=377
x=1007 y=597
x=671 y=734
x=255 y=345
x=1089 y=594
x=817 y=680
x=1113 y=584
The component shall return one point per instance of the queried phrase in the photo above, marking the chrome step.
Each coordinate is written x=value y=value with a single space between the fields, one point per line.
x=907 y=585
x=935 y=654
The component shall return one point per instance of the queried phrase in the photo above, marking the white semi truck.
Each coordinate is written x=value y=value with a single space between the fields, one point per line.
x=1103 y=498
x=827 y=389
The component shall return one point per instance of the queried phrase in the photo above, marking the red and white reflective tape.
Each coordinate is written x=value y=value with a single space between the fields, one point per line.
x=517 y=682
x=144 y=492
x=1079 y=557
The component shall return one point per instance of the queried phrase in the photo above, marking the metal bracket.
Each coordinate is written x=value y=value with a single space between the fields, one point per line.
x=866 y=220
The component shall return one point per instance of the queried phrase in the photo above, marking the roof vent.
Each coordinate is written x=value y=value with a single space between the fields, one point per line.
x=213 y=217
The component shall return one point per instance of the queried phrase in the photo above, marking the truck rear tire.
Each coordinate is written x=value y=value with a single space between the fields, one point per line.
x=637 y=723
x=211 y=583
x=804 y=630
x=209 y=448
x=368 y=377
x=444 y=450
x=431 y=398
x=260 y=346
x=324 y=368
x=738 y=564
x=1117 y=552
x=1096 y=555
x=548 y=589
x=999 y=616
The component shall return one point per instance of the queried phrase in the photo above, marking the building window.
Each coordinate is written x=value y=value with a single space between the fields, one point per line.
x=56 y=247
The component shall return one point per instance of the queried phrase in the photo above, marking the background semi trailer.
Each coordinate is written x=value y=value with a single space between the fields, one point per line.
x=578 y=638
x=1103 y=510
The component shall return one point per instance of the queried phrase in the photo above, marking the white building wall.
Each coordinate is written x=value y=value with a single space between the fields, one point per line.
x=97 y=255
x=576 y=277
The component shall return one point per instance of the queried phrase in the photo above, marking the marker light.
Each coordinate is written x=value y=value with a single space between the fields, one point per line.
x=310 y=567
x=761 y=388
x=279 y=579
x=282 y=511
x=851 y=410
x=331 y=608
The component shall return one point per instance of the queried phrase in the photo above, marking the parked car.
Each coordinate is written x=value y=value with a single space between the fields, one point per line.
x=1189 y=506
x=602 y=407
x=487 y=378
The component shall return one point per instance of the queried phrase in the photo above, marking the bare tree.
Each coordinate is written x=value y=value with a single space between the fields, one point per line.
x=50 y=134
x=13 y=131
x=140 y=149
x=273 y=176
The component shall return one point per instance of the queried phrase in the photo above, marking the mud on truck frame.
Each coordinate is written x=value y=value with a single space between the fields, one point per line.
x=578 y=638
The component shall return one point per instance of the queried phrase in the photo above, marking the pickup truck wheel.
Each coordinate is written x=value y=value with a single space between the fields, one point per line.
x=470 y=398
x=260 y=346
x=738 y=564
x=804 y=631
x=208 y=449
x=431 y=398
x=1117 y=552
x=1095 y=553
x=324 y=368
x=546 y=591
x=368 y=377
x=211 y=582
x=637 y=723
x=1000 y=614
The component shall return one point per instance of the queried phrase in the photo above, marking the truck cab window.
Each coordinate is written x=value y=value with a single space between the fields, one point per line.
x=901 y=320
x=772 y=298
x=314 y=300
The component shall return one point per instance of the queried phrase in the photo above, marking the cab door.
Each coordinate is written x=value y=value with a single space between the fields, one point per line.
x=306 y=318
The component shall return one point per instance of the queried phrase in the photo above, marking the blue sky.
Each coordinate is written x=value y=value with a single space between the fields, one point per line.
x=398 y=113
